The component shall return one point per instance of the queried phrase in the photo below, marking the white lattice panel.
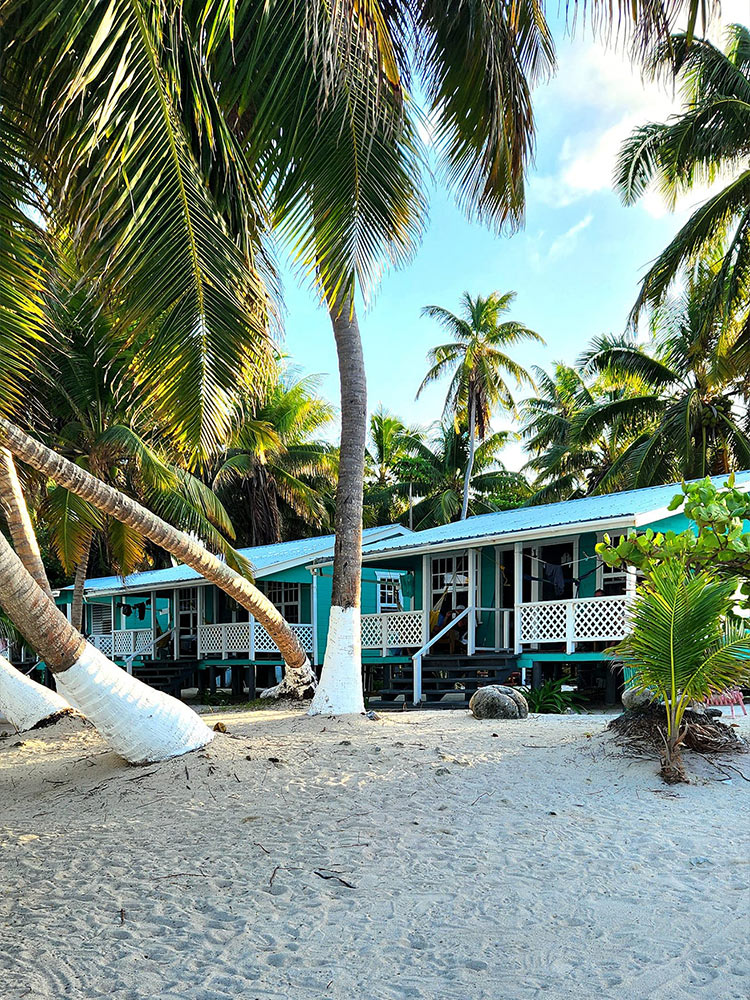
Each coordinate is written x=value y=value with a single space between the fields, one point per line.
x=371 y=630
x=210 y=638
x=305 y=635
x=404 y=629
x=543 y=622
x=600 y=618
x=123 y=642
x=263 y=641
x=237 y=637
x=143 y=641
x=102 y=642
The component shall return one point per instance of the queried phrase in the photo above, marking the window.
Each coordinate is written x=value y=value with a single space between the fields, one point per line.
x=389 y=593
x=101 y=618
x=613 y=580
x=285 y=596
x=450 y=581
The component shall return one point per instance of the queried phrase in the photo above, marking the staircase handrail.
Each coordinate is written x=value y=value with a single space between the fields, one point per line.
x=417 y=658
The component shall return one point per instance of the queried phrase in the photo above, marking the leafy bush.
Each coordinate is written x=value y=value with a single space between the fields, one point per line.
x=550 y=699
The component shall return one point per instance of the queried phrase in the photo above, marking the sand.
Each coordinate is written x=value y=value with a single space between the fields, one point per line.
x=421 y=855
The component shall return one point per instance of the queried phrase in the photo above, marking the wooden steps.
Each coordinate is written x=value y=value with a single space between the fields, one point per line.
x=169 y=676
x=447 y=681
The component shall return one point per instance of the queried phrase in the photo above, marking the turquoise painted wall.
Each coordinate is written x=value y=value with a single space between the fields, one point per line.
x=587 y=564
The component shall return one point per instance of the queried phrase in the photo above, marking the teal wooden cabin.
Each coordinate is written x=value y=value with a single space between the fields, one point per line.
x=443 y=610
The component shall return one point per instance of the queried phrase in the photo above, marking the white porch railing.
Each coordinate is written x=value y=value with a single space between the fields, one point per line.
x=393 y=630
x=585 y=619
x=124 y=642
x=246 y=637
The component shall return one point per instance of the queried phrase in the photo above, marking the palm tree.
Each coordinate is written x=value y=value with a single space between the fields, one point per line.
x=682 y=646
x=168 y=223
x=478 y=364
x=276 y=465
x=137 y=721
x=437 y=471
x=98 y=417
x=568 y=462
x=391 y=443
x=707 y=139
x=689 y=382
x=182 y=546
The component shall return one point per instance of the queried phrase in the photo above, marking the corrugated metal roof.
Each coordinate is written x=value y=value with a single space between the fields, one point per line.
x=262 y=557
x=627 y=504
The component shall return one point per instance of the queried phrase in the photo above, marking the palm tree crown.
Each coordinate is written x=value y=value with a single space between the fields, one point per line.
x=708 y=139
x=690 y=382
x=476 y=358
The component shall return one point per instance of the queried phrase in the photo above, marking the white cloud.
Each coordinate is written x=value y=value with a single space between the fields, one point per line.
x=565 y=244
x=602 y=88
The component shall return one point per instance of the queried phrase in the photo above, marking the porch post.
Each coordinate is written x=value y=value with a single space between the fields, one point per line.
x=314 y=615
x=199 y=625
x=517 y=593
x=474 y=602
x=252 y=637
x=426 y=609
x=175 y=604
x=570 y=626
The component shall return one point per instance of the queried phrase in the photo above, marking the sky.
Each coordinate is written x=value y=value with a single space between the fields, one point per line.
x=575 y=265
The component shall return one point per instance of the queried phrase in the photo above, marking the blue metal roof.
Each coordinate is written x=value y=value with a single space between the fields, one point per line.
x=625 y=505
x=262 y=557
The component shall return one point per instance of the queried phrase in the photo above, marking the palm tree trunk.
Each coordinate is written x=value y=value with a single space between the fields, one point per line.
x=470 y=459
x=19 y=523
x=24 y=703
x=299 y=679
x=138 y=722
x=340 y=688
x=76 y=610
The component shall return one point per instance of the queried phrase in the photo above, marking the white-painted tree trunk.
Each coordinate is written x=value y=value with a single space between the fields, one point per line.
x=139 y=723
x=340 y=688
x=23 y=702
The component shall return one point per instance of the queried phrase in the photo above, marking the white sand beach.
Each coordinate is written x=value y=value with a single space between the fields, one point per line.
x=421 y=855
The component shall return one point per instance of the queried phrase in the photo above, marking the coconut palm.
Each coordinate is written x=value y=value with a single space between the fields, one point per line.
x=276 y=463
x=167 y=224
x=707 y=139
x=682 y=646
x=391 y=442
x=691 y=383
x=566 y=461
x=437 y=471
x=477 y=361
x=182 y=546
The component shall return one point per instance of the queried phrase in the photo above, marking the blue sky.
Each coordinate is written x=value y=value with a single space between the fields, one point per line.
x=575 y=265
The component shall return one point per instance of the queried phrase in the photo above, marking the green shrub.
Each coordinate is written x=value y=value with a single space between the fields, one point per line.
x=550 y=699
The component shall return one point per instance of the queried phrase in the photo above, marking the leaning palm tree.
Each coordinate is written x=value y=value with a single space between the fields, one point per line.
x=477 y=361
x=97 y=417
x=708 y=139
x=168 y=233
x=138 y=722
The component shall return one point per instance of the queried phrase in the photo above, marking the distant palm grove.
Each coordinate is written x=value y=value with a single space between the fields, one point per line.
x=219 y=433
